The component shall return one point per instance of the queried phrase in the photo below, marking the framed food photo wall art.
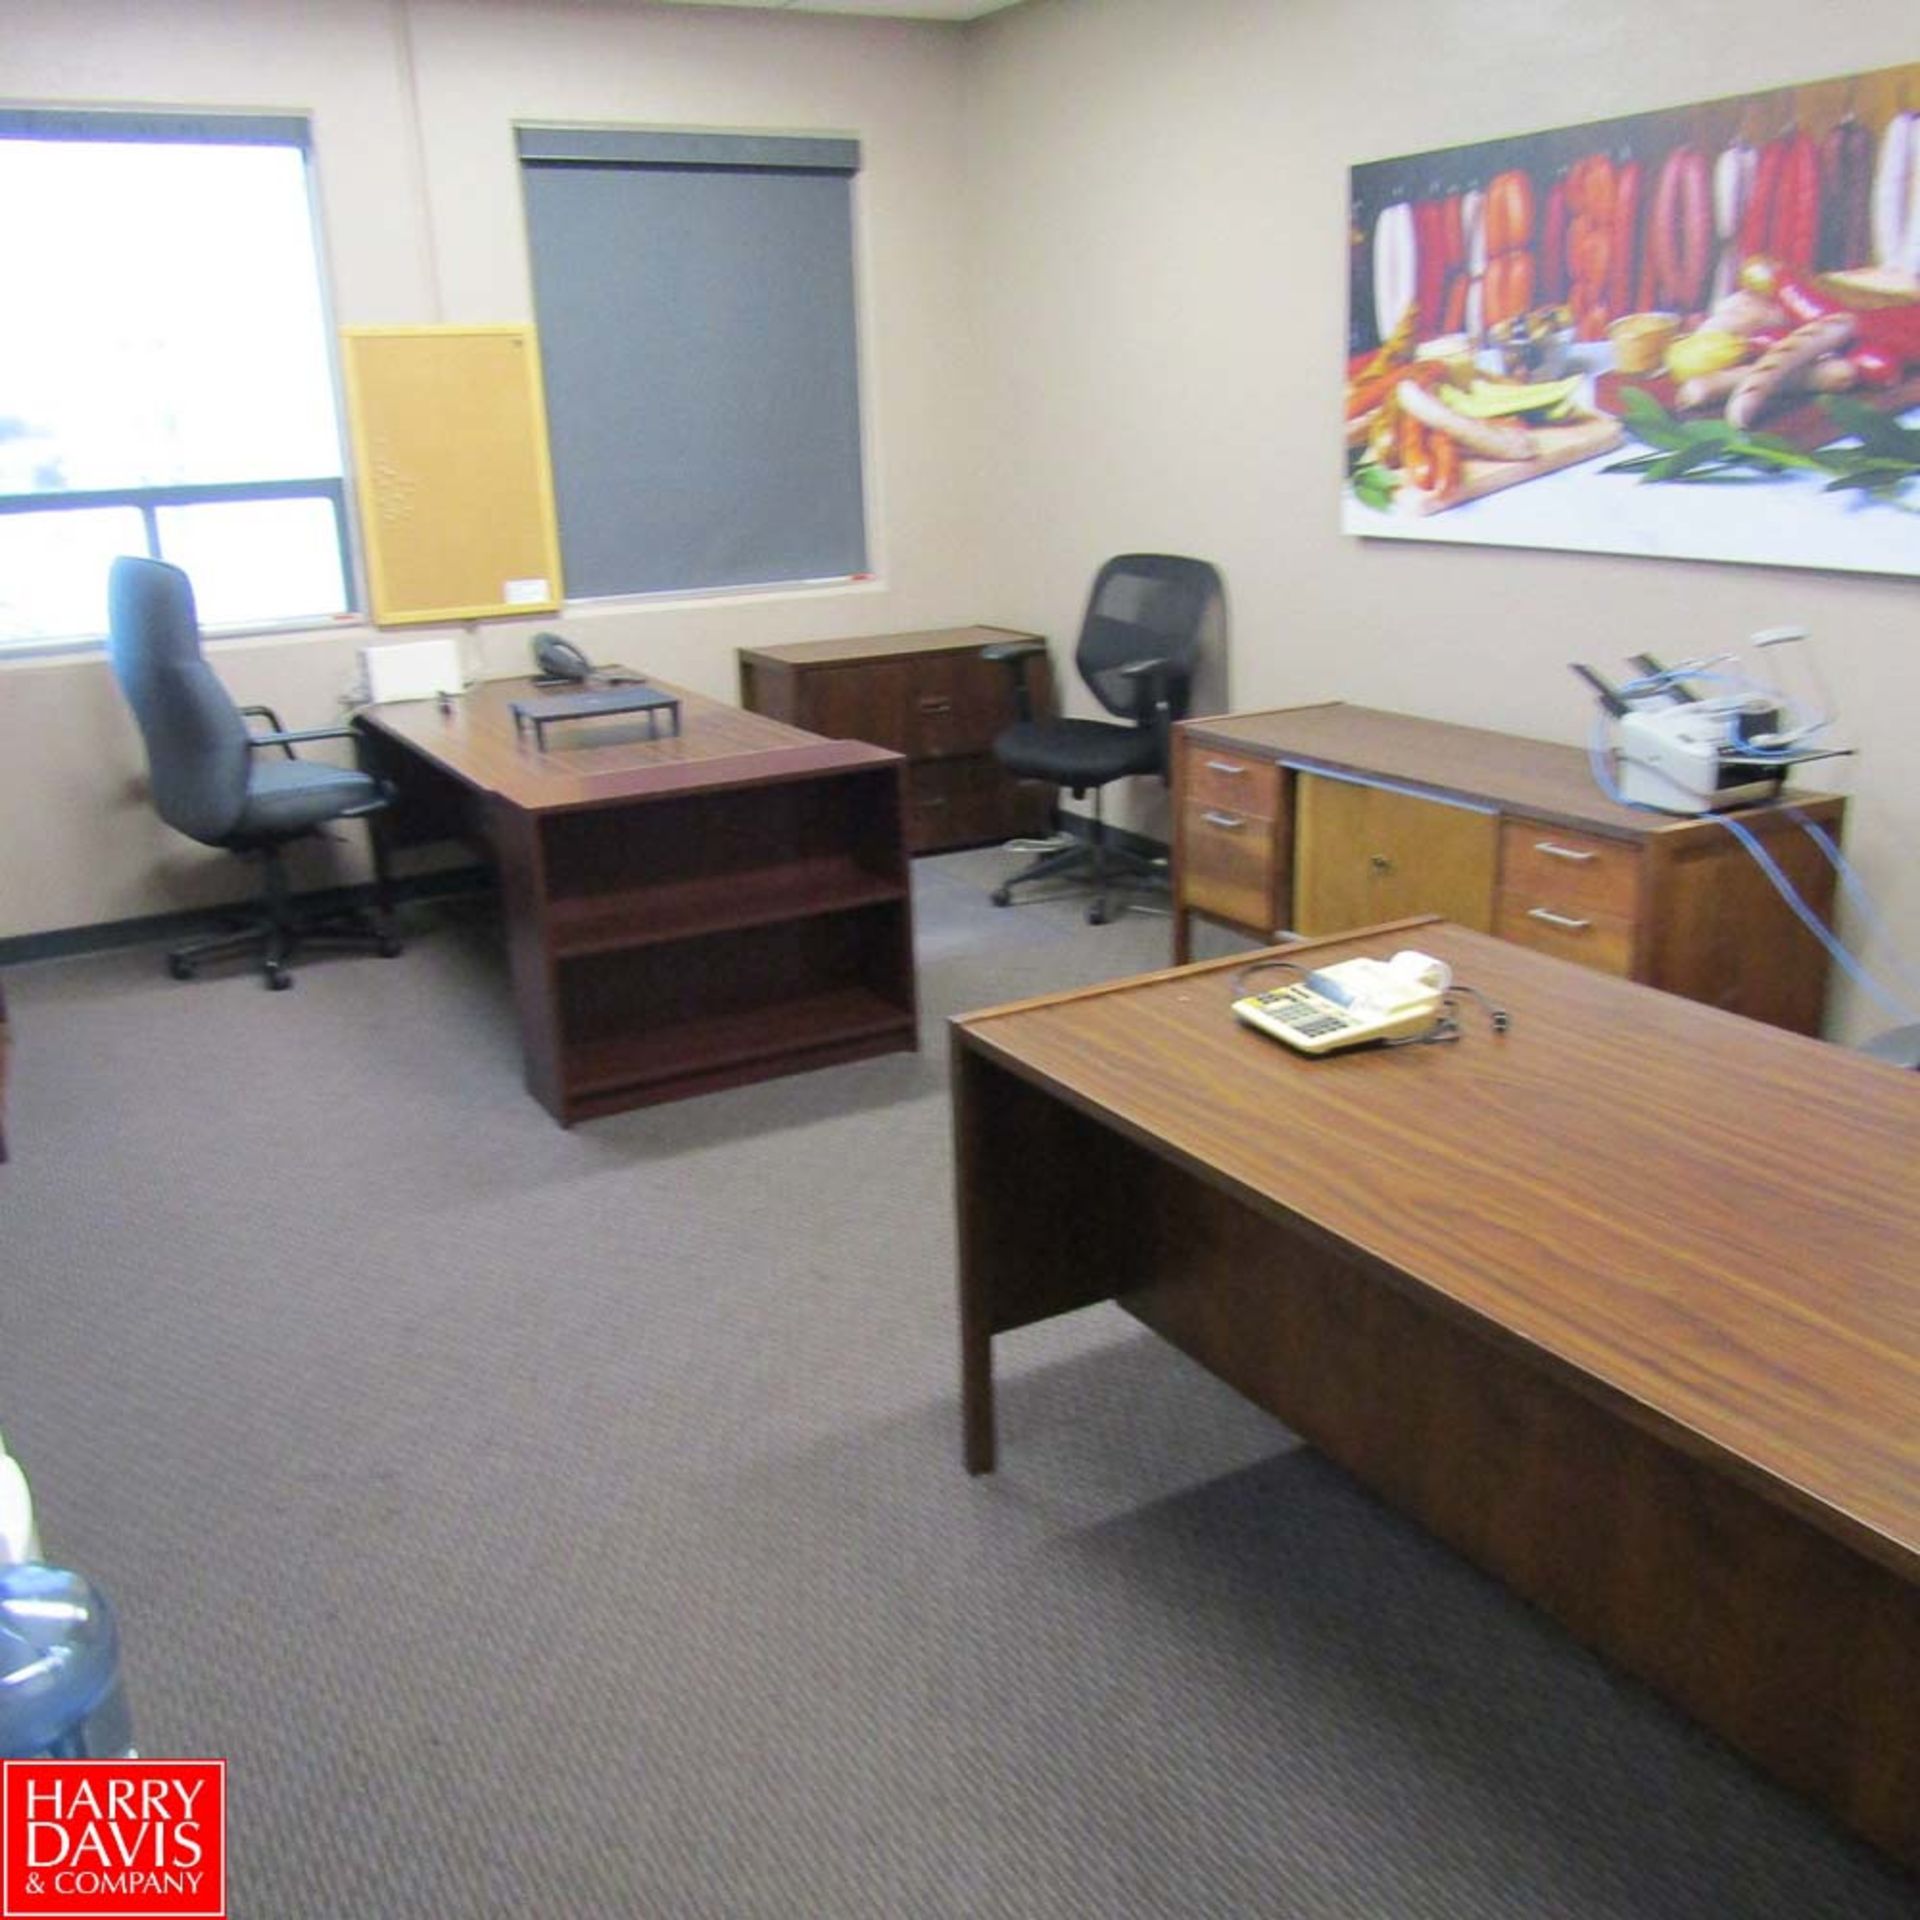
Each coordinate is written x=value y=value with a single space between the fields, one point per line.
x=1693 y=333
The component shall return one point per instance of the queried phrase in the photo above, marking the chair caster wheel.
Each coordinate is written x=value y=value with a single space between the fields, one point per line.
x=178 y=968
x=388 y=946
x=279 y=979
x=1096 y=916
x=1001 y=897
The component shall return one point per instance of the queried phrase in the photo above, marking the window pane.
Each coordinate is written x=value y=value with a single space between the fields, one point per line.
x=254 y=560
x=164 y=324
x=53 y=570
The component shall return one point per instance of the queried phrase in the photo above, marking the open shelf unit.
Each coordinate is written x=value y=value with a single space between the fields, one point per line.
x=714 y=936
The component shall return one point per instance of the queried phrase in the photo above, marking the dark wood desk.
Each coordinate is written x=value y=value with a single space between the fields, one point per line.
x=1625 y=1305
x=683 y=913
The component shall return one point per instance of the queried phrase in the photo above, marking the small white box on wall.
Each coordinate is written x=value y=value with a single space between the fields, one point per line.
x=413 y=670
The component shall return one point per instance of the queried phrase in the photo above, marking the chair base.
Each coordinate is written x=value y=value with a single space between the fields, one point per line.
x=277 y=931
x=1096 y=858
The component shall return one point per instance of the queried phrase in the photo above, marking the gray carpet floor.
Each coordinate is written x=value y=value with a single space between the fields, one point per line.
x=572 y=1523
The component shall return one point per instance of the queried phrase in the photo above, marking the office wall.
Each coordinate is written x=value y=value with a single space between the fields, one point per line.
x=1157 y=220
x=412 y=103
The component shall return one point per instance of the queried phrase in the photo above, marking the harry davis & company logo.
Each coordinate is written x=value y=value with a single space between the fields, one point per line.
x=113 y=1840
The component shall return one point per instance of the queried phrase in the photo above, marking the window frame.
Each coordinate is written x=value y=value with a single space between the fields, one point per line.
x=200 y=127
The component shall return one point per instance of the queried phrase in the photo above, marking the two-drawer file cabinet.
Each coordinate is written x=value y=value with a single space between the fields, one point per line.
x=929 y=696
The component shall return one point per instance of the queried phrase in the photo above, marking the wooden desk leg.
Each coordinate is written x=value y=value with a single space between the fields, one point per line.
x=1182 y=934
x=976 y=1322
x=976 y=1399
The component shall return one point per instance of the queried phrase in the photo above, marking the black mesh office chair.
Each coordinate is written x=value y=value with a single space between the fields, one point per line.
x=210 y=783
x=1138 y=651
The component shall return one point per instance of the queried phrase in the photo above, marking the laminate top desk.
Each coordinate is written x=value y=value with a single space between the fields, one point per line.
x=1624 y=1305
x=684 y=912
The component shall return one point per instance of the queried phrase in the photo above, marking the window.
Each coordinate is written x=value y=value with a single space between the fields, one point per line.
x=166 y=385
x=694 y=294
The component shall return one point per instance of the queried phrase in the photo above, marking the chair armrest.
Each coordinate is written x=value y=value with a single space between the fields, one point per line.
x=268 y=739
x=284 y=737
x=281 y=735
x=1013 y=655
x=1153 y=682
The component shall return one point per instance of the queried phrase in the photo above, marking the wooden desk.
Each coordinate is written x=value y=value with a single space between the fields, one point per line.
x=930 y=696
x=682 y=913
x=1317 y=818
x=1625 y=1305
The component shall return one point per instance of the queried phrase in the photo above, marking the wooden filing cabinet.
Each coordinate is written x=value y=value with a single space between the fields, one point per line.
x=929 y=696
x=1313 y=819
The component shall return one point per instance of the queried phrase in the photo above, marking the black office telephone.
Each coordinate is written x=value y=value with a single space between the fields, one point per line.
x=559 y=662
x=559 y=659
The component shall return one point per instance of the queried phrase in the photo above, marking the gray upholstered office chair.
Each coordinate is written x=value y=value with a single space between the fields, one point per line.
x=211 y=783
x=1138 y=651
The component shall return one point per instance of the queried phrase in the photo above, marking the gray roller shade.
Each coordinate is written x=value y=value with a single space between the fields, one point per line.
x=694 y=295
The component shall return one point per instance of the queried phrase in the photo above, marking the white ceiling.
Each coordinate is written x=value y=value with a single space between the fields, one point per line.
x=896 y=9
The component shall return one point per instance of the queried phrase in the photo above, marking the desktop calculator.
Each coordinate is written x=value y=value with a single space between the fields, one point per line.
x=1342 y=1006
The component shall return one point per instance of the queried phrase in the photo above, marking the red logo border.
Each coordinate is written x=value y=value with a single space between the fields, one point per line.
x=219 y=1912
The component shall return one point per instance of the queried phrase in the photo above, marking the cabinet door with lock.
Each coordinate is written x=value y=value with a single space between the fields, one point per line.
x=1364 y=854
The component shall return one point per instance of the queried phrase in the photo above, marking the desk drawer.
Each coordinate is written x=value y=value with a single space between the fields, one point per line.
x=1230 y=866
x=1572 y=873
x=1572 y=895
x=1603 y=941
x=1233 y=782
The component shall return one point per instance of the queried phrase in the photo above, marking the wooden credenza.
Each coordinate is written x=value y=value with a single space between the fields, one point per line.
x=1315 y=819
x=929 y=696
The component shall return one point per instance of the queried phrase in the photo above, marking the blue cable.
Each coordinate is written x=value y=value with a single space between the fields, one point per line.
x=1855 y=890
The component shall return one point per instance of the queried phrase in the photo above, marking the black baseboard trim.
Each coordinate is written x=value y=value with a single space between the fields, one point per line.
x=151 y=929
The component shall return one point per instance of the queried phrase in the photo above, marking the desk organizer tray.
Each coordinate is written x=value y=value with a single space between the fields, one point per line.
x=542 y=712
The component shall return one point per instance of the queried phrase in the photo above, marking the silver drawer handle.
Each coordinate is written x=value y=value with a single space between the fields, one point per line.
x=1224 y=766
x=1231 y=821
x=1554 y=852
x=1558 y=920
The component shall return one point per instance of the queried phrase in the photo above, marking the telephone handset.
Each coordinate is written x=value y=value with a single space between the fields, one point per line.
x=1352 y=1001
x=559 y=659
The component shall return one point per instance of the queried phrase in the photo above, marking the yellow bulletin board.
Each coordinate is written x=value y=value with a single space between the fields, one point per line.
x=455 y=488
